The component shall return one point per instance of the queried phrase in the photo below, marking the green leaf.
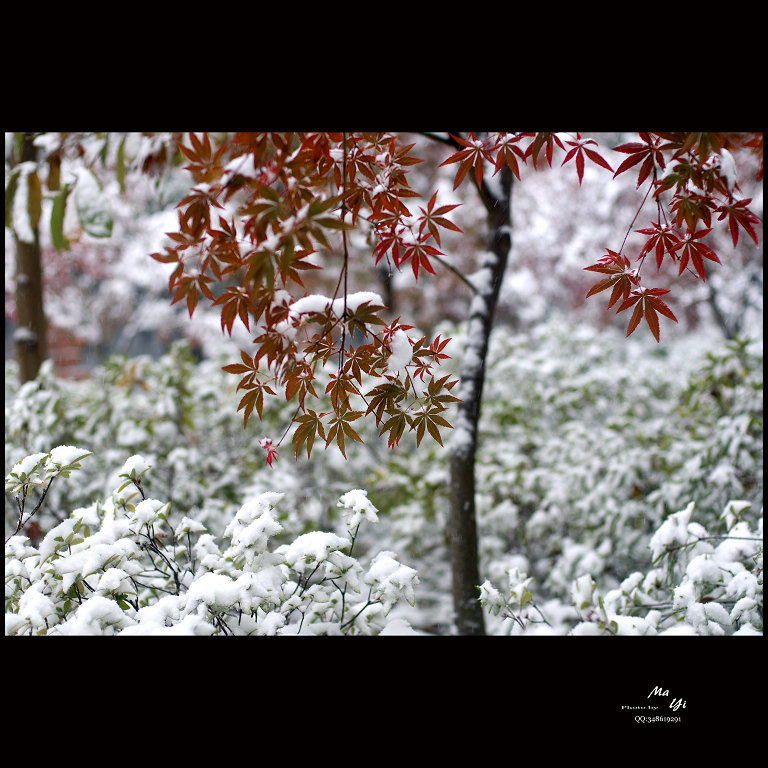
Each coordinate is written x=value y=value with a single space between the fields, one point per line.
x=34 y=199
x=10 y=193
x=120 y=164
x=60 y=243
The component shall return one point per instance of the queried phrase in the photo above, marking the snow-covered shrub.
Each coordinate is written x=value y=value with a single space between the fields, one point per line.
x=119 y=566
x=698 y=584
x=588 y=442
x=584 y=454
x=160 y=409
x=182 y=416
x=702 y=584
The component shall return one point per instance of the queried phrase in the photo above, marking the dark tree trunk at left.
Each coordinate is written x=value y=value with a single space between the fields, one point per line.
x=29 y=338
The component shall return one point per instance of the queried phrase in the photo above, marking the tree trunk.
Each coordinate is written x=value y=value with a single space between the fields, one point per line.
x=468 y=615
x=29 y=337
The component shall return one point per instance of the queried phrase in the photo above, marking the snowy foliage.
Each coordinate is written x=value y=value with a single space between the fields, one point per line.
x=701 y=584
x=592 y=451
x=118 y=567
x=588 y=444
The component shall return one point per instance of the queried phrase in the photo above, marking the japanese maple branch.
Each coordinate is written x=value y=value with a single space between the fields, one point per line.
x=637 y=213
x=344 y=246
x=442 y=139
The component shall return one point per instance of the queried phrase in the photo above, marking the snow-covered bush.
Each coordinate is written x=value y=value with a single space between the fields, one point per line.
x=588 y=443
x=119 y=566
x=701 y=584
x=160 y=409
x=182 y=416
x=588 y=451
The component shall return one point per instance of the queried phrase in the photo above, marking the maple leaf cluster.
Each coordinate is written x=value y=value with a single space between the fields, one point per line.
x=261 y=205
x=691 y=180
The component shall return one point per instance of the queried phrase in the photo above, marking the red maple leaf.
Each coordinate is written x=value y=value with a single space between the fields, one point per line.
x=507 y=153
x=621 y=277
x=647 y=303
x=739 y=215
x=433 y=218
x=475 y=154
x=545 y=140
x=664 y=239
x=691 y=249
x=579 y=149
x=271 y=450
x=648 y=152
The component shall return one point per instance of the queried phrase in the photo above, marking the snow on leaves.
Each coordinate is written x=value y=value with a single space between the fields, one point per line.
x=42 y=468
x=114 y=568
x=261 y=204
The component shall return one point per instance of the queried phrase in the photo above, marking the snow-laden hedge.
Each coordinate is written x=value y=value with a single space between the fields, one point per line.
x=589 y=443
x=181 y=416
x=119 y=566
x=700 y=584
